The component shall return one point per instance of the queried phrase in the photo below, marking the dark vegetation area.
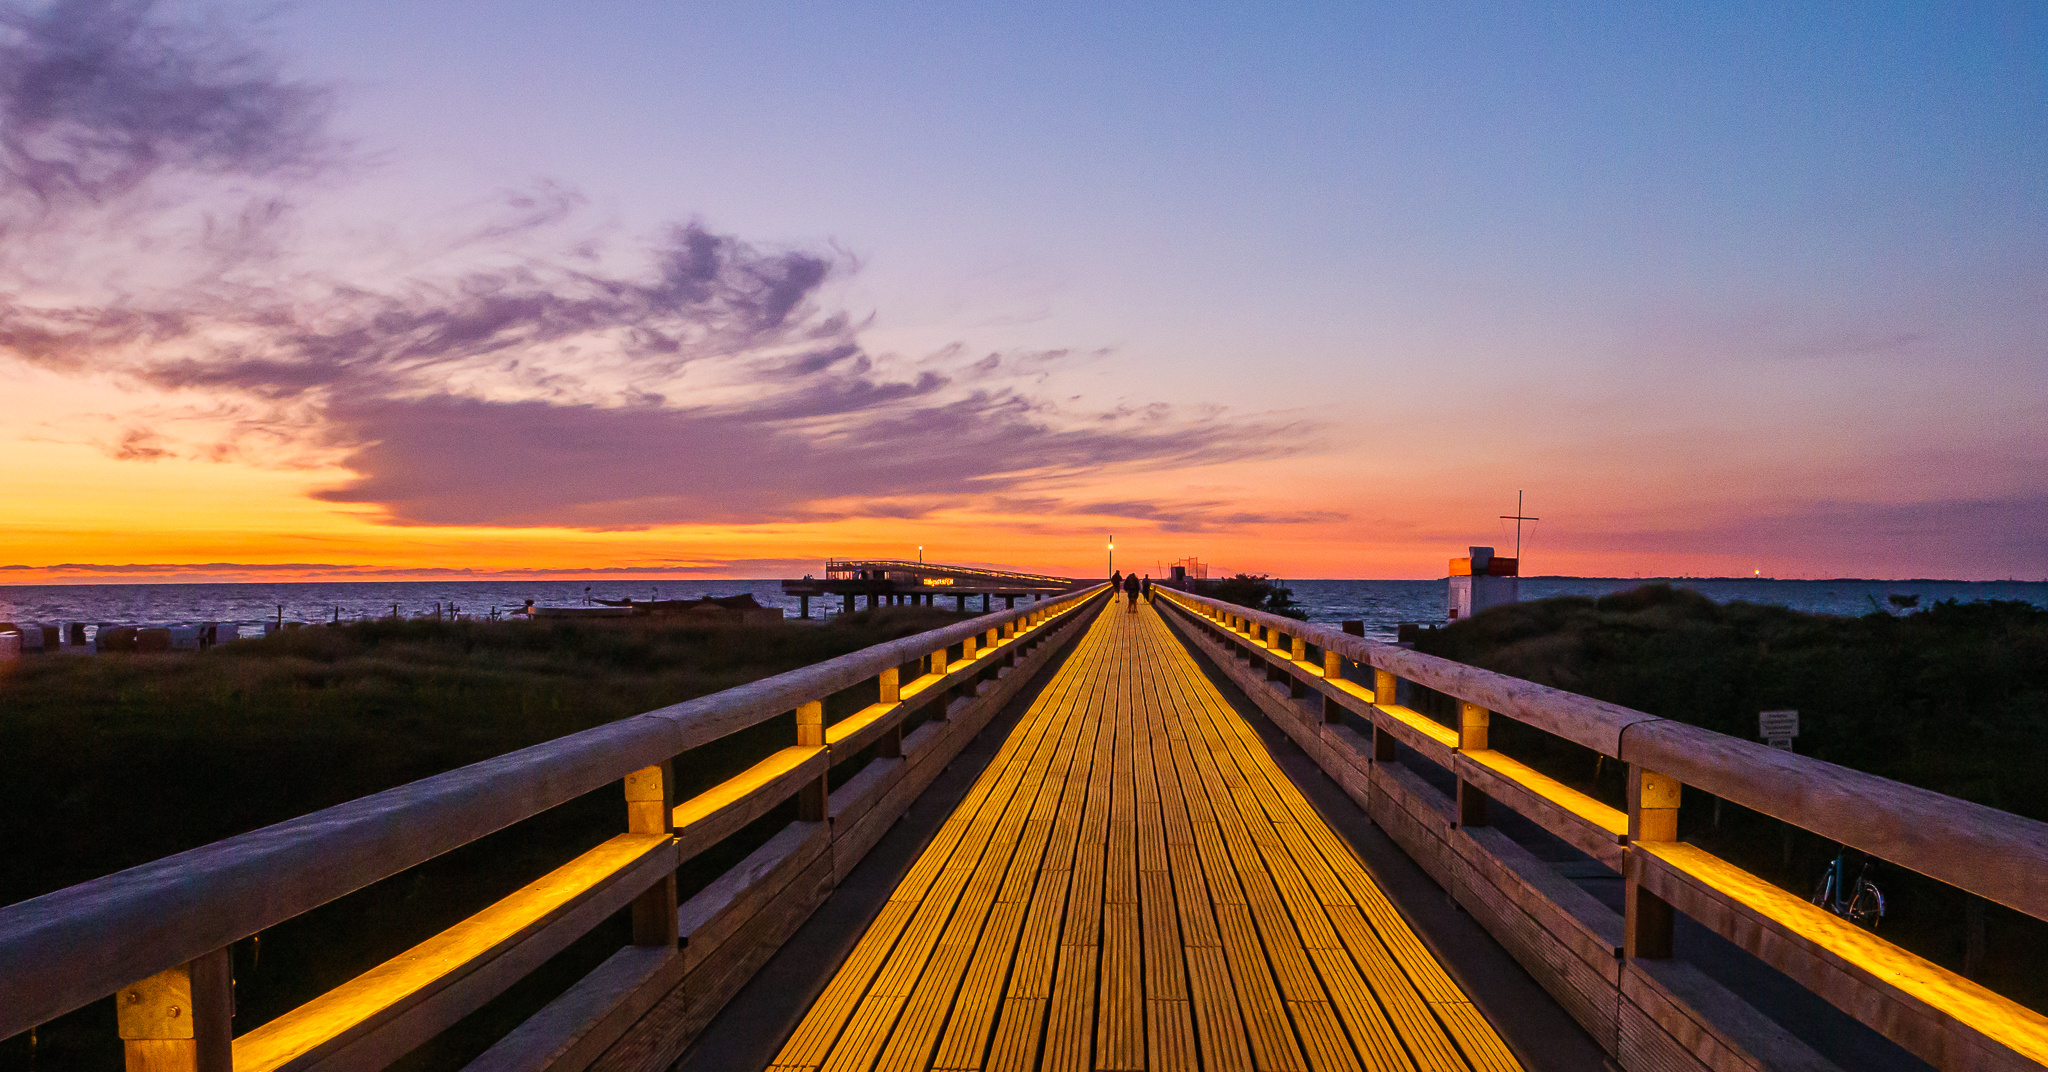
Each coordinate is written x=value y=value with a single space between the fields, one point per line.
x=1952 y=697
x=110 y=761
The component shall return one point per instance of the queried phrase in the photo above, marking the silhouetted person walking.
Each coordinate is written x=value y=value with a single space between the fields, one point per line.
x=1145 y=588
x=1131 y=590
x=1116 y=583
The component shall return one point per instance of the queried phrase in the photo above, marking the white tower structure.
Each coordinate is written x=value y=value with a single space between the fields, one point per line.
x=1481 y=581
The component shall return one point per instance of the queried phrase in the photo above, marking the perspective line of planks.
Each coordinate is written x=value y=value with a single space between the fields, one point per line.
x=1132 y=883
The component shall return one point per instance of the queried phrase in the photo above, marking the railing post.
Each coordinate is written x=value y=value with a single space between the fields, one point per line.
x=1472 y=724
x=181 y=1020
x=1299 y=652
x=1652 y=816
x=650 y=803
x=889 y=690
x=812 y=803
x=1333 y=670
x=1383 y=691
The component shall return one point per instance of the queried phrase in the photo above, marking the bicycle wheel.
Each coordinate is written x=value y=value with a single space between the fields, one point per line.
x=1867 y=907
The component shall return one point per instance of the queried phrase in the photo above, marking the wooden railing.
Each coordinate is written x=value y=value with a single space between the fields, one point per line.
x=157 y=936
x=1614 y=972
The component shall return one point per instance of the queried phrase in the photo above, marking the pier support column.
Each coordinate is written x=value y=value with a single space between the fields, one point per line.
x=984 y=602
x=803 y=606
x=960 y=604
x=1652 y=816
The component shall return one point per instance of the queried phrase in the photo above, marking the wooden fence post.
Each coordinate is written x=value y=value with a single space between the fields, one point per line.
x=1383 y=691
x=181 y=1020
x=650 y=804
x=1333 y=670
x=812 y=803
x=1472 y=725
x=1652 y=816
x=889 y=684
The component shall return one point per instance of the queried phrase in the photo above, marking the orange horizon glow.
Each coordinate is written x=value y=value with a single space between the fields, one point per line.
x=75 y=511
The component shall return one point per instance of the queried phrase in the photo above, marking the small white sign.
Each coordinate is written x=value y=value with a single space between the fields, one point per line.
x=1775 y=726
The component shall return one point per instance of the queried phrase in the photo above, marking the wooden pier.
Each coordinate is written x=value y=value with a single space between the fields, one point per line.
x=1133 y=884
x=1130 y=884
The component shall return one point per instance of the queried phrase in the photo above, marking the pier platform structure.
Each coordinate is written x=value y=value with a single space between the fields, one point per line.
x=1146 y=872
x=1132 y=883
x=890 y=582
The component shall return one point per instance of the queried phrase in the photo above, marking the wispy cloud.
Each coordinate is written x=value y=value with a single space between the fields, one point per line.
x=528 y=371
x=1171 y=515
x=97 y=97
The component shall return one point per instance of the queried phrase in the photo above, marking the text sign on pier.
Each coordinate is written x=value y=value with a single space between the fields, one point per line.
x=1777 y=728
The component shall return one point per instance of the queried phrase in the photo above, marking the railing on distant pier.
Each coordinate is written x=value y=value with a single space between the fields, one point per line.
x=1615 y=972
x=158 y=936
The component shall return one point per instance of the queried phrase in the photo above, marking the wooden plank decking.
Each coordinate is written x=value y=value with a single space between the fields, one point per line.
x=1131 y=884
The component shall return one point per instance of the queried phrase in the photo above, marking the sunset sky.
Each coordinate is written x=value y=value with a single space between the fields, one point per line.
x=357 y=289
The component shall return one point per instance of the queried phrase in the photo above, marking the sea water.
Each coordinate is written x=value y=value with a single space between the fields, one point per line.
x=1381 y=605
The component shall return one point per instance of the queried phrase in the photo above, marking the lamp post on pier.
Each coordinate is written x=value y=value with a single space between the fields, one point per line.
x=1112 y=555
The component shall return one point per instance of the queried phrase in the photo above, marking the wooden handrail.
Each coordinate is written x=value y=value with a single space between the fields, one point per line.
x=70 y=947
x=1994 y=854
x=1615 y=972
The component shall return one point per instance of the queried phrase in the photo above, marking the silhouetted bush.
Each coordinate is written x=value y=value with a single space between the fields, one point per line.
x=1255 y=590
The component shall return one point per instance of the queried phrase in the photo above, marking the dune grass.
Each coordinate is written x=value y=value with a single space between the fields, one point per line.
x=110 y=761
x=1952 y=698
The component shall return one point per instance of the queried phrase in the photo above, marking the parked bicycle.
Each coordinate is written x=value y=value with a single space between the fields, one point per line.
x=1857 y=900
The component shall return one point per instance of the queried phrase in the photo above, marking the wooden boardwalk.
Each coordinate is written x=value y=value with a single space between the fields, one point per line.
x=1132 y=884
